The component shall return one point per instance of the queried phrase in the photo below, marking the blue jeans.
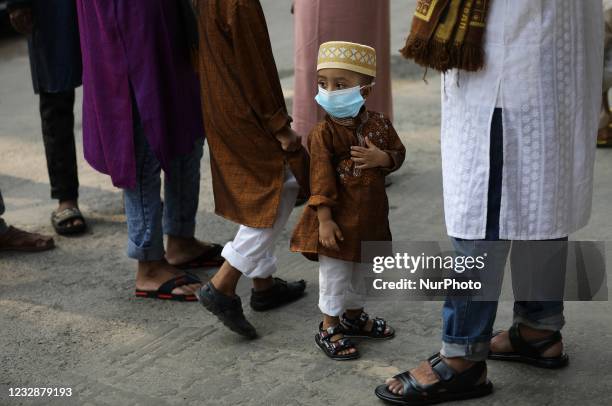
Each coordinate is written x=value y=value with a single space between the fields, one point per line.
x=468 y=323
x=3 y=226
x=146 y=214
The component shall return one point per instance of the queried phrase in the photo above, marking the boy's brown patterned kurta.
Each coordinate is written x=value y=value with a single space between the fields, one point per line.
x=243 y=107
x=357 y=197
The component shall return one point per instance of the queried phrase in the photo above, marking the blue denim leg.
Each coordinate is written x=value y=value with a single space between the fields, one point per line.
x=540 y=315
x=3 y=226
x=468 y=323
x=143 y=206
x=546 y=273
x=182 y=193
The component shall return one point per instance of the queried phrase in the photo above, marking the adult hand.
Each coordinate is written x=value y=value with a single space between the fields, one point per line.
x=330 y=234
x=289 y=139
x=370 y=156
x=22 y=20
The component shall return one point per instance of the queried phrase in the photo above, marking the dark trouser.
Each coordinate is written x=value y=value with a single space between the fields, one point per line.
x=57 y=116
x=468 y=323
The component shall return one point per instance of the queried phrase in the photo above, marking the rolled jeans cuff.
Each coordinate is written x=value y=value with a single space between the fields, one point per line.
x=179 y=228
x=153 y=253
x=551 y=323
x=250 y=267
x=472 y=350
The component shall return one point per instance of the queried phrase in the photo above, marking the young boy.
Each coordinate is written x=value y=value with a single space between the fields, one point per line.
x=351 y=152
x=257 y=161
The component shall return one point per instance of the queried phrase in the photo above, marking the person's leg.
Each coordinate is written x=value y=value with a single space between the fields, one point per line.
x=182 y=194
x=355 y=303
x=57 y=119
x=251 y=253
x=334 y=284
x=538 y=278
x=143 y=209
x=468 y=323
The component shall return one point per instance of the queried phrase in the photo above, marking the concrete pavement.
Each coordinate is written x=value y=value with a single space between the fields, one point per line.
x=68 y=318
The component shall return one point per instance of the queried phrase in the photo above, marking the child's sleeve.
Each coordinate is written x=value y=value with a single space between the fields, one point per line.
x=322 y=171
x=396 y=149
x=256 y=68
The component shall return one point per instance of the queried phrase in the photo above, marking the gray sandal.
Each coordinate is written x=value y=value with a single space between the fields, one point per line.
x=62 y=221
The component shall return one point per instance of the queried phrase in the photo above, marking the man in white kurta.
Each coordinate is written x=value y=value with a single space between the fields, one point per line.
x=518 y=152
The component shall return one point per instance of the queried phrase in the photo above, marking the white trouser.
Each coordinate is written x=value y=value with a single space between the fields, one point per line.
x=252 y=251
x=341 y=285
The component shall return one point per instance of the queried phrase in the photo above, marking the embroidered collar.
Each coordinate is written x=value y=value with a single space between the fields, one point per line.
x=361 y=118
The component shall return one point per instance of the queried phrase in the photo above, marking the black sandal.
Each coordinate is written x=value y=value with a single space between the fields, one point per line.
x=279 y=294
x=228 y=310
x=355 y=328
x=332 y=348
x=211 y=257
x=60 y=221
x=164 y=292
x=452 y=385
x=530 y=353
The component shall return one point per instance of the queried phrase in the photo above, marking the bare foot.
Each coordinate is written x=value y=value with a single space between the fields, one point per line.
x=425 y=375
x=501 y=342
x=180 y=250
x=152 y=274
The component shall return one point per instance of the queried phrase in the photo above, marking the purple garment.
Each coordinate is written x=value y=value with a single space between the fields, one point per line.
x=137 y=43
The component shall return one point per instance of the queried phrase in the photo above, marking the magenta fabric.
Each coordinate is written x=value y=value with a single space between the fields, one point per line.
x=137 y=44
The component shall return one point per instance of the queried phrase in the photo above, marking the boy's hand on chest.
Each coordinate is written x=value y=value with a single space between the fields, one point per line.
x=370 y=156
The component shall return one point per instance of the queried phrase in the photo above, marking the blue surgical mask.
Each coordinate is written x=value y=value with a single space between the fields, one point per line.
x=343 y=103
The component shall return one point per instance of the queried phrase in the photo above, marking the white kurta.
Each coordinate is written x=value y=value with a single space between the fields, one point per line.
x=544 y=62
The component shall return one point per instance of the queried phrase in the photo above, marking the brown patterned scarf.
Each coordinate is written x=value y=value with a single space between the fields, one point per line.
x=448 y=34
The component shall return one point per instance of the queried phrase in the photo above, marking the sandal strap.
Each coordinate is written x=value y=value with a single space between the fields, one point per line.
x=531 y=349
x=72 y=213
x=181 y=280
x=379 y=325
x=448 y=378
x=334 y=347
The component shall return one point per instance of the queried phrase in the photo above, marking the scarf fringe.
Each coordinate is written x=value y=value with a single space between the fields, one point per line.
x=442 y=56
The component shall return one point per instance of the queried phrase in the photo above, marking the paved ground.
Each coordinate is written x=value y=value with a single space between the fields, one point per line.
x=67 y=318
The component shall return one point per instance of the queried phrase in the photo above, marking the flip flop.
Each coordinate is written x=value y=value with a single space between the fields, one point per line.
x=209 y=258
x=61 y=219
x=164 y=292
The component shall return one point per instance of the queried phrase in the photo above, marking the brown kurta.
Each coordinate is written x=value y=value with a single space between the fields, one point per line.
x=357 y=197
x=243 y=107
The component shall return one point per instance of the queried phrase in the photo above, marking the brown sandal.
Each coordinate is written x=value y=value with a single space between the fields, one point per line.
x=18 y=240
